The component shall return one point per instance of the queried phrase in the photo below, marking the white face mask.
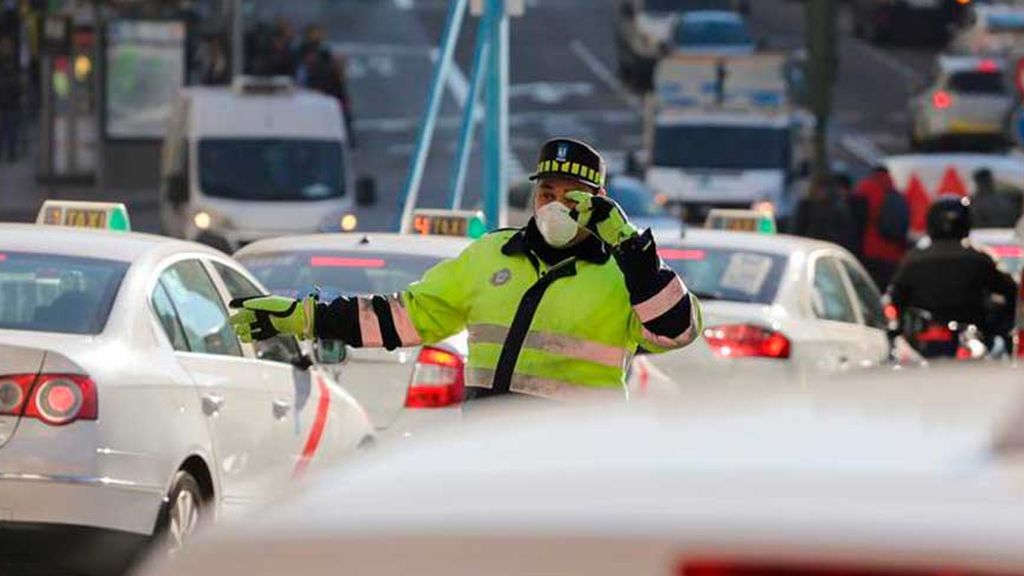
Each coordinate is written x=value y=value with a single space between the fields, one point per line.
x=555 y=224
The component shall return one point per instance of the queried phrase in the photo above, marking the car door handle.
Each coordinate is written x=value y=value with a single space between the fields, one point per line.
x=281 y=409
x=212 y=403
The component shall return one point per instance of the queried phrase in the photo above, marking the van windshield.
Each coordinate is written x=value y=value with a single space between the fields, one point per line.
x=271 y=169
x=722 y=147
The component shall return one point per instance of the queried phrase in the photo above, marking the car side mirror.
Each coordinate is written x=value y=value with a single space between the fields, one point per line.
x=330 y=352
x=366 y=191
x=177 y=189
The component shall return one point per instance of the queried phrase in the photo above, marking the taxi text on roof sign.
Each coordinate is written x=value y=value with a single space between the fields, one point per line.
x=463 y=223
x=741 y=221
x=75 y=214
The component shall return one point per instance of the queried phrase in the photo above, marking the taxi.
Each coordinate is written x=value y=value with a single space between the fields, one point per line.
x=129 y=410
x=403 y=390
x=907 y=473
x=777 y=307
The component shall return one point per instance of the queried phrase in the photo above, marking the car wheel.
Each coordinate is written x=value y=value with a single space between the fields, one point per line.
x=181 y=513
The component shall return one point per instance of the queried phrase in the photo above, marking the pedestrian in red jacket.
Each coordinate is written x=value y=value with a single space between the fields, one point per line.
x=879 y=254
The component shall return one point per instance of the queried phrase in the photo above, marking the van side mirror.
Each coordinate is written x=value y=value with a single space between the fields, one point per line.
x=330 y=352
x=177 y=189
x=366 y=191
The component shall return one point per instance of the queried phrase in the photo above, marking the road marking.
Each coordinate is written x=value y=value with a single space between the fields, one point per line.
x=371 y=49
x=404 y=4
x=612 y=117
x=862 y=148
x=591 y=61
x=907 y=72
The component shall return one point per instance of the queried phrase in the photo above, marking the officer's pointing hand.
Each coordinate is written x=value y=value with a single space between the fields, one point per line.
x=263 y=317
x=602 y=216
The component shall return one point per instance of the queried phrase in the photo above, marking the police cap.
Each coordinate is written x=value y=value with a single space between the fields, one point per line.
x=568 y=158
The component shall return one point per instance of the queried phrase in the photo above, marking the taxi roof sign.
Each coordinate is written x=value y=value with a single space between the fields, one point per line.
x=461 y=223
x=79 y=214
x=758 y=221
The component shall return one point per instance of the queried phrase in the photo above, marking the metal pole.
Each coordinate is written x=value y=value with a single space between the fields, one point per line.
x=453 y=23
x=480 y=53
x=821 y=26
x=496 y=122
x=237 y=39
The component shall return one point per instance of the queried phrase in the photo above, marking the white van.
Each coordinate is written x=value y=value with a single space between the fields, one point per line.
x=256 y=159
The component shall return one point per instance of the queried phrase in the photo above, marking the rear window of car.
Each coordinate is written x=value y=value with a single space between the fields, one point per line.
x=727 y=274
x=336 y=273
x=977 y=83
x=53 y=293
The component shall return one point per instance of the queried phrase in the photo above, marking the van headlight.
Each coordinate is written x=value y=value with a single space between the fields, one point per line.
x=208 y=220
x=340 y=222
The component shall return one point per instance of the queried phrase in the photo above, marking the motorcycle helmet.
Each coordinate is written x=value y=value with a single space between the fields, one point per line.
x=949 y=218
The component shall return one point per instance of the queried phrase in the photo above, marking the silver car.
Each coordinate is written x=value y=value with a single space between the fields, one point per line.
x=966 y=102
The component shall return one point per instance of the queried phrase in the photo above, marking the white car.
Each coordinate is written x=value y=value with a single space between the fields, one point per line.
x=403 y=390
x=967 y=100
x=906 y=473
x=994 y=29
x=776 y=307
x=128 y=407
x=1004 y=244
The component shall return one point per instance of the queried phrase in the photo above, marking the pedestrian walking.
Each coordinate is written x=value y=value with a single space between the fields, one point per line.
x=883 y=215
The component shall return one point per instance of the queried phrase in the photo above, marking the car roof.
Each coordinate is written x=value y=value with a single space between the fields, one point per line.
x=123 y=246
x=722 y=457
x=782 y=244
x=406 y=244
x=996 y=236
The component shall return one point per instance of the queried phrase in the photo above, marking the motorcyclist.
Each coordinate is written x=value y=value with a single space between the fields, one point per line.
x=953 y=281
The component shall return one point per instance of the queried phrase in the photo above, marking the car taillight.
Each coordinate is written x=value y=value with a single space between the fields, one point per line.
x=56 y=399
x=438 y=380
x=747 y=341
x=1020 y=317
x=942 y=100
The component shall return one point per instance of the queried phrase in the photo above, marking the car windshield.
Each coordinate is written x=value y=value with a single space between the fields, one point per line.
x=52 y=293
x=635 y=198
x=727 y=274
x=722 y=147
x=686 y=5
x=337 y=272
x=1006 y=23
x=271 y=169
x=701 y=32
x=977 y=83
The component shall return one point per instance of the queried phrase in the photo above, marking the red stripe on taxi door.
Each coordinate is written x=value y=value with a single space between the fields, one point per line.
x=317 y=431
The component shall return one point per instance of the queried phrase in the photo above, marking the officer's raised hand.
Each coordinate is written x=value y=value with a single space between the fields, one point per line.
x=602 y=216
x=263 y=317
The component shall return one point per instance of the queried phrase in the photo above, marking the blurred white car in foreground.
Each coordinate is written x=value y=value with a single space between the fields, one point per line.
x=128 y=407
x=906 y=473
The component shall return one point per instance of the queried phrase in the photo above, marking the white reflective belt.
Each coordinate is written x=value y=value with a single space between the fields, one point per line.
x=547 y=388
x=560 y=344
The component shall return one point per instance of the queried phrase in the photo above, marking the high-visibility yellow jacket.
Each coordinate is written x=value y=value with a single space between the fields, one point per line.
x=566 y=330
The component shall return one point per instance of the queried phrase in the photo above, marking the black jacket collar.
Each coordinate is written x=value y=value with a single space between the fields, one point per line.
x=529 y=242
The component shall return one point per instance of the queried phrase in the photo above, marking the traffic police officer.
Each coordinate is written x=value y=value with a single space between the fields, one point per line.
x=555 y=309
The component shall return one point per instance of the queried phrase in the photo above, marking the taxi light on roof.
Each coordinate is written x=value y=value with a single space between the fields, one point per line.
x=462 y=223
x=343 y=262
x=759 y=221
x=99 y=215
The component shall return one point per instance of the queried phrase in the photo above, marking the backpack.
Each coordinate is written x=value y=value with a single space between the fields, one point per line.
x=894 y=217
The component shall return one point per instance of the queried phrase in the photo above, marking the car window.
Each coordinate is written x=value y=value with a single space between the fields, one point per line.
x=279 y=348
x=168 y=317
x=868 y=296
x=977 y=83
x=831 y=302
x=204 y=319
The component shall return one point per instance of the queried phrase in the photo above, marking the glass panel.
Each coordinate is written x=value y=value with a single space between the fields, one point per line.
x=52 y=293
x=831 y=302
x=203 y=316
x=271 y=169
x=169 y=319
x=868 y=296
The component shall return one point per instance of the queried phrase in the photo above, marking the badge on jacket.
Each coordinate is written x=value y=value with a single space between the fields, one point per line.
x=501 y=277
